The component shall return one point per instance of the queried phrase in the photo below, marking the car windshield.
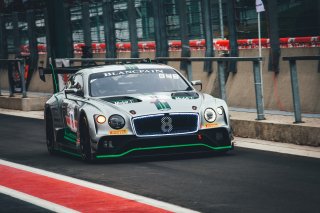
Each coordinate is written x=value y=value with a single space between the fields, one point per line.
x=121 y=82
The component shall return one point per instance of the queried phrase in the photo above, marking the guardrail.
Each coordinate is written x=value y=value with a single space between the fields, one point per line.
x=295 y=84
x=21 y=67
x=221 y=75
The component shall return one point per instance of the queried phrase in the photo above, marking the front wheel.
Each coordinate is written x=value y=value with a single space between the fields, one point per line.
x=85 y=142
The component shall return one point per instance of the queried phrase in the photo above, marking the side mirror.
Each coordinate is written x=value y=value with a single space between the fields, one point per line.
x=197 y=83
x=74 y=91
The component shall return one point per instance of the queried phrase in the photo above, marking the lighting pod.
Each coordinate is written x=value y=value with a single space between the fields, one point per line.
x=116 y=121
x=210 y=115
x=100 y=119
x=220 y=110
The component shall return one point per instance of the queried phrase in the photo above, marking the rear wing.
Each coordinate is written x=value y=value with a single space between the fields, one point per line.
x=65 y=66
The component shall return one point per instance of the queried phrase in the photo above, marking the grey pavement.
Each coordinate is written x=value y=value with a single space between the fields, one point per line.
x=252 y=143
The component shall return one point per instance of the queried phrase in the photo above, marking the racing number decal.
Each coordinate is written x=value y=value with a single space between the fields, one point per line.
x=70 y=120
x=71 y=115
x=166 y=124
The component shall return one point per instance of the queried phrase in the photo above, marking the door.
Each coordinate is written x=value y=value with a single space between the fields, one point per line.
x=70 y=110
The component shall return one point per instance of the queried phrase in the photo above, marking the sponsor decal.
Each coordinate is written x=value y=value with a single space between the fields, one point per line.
x=119 y=102
x=213 y=125
x=166 y=124
x=71 y=122
x=154 y=98
x=134 y=71
x=122 y=100
x=162 y=105
x=183 y=97
x=118 y=132
x=169 y=76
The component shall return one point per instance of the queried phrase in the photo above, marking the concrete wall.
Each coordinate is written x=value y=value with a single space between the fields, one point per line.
x=277 y=87
x=240 y=86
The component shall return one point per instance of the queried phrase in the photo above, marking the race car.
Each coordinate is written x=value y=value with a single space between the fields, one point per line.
x=141 y=109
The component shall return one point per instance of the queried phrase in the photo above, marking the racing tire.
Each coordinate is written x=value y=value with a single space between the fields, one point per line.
x=85 y=142
x=50 y=141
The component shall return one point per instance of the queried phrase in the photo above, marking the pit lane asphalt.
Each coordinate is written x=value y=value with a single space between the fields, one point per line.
x=243 y=180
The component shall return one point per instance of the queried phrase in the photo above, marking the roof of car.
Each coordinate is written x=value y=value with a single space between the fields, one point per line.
x=115 y=67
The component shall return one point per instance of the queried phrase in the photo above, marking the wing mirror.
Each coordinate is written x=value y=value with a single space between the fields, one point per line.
x=74 y=91
x=197 y=84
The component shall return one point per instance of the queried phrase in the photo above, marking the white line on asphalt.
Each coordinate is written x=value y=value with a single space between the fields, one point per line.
x=35 y=200
x=106 y=189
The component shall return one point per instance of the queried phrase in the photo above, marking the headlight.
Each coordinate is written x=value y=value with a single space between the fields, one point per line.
x=100 y=119
x=210 y=115
x=116 y=122
x=220 y=110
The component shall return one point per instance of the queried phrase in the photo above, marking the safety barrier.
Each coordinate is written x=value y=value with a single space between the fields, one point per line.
x=295 y=84
x=21 y=69
x=221 y=75
x=221 y=45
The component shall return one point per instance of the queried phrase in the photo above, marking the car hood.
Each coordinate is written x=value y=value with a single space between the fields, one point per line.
x=166 y=102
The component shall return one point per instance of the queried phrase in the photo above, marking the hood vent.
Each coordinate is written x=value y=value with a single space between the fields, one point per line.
x=121 y=100
x=185 y=95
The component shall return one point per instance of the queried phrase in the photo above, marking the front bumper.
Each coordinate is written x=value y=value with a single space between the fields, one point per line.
x=217 y=139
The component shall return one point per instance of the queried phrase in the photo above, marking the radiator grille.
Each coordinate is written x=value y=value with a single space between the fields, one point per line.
x=166 y=124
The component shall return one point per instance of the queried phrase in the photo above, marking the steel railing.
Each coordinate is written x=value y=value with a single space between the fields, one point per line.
x=21 y=66
x=295 y=84
x=221 y=75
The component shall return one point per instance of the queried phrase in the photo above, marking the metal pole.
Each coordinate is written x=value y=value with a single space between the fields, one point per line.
x=0 y=83
x=260 y=52
x=273 y=29
x=3 y=42
x=295 y=91
x=85 y=9
x=222 y=80
x=221 y=19
x=132 y=21
x=161 y=38
x=21 y=65
x=184 y=32
x=259 y=34
x=33 y=45
x=97 y=23
x=207 y=25
x=109 y=29
x=234 y=52
x=16 y=34
x=258 y=90
x=189 y=70
x=10 y=79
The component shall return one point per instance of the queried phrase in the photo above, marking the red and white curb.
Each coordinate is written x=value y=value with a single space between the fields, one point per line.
x=61 y=193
